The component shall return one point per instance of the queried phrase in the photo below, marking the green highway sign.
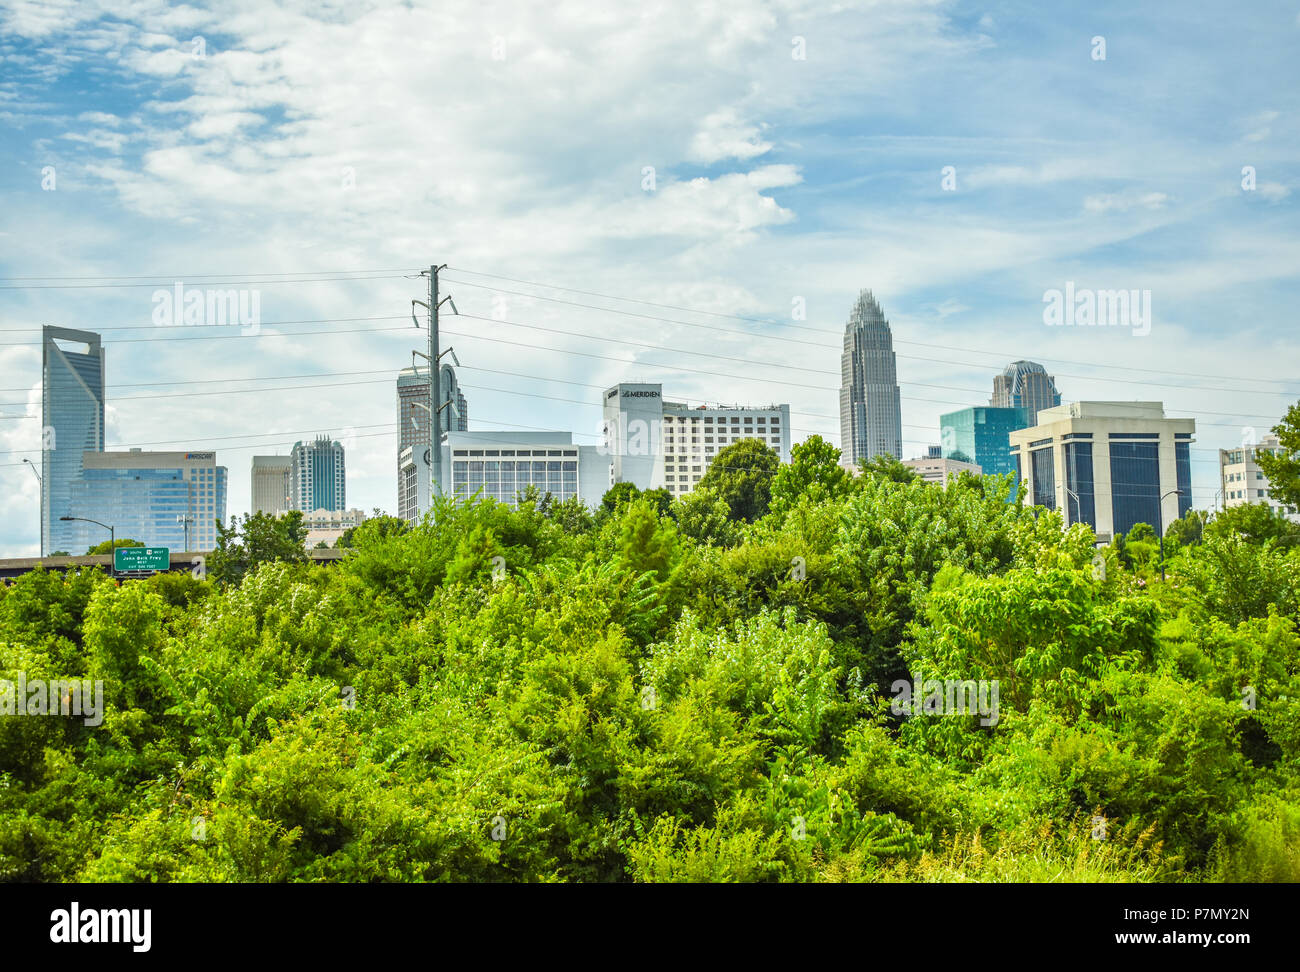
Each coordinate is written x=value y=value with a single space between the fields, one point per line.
x=141 y=558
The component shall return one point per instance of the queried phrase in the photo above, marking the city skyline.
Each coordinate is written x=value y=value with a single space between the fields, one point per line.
x=962 y=162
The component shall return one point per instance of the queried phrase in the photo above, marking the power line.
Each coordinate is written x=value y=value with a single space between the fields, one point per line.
x=782 y=323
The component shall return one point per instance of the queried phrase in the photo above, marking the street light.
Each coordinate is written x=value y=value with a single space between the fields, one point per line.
x=185 y=520
x=1160 y=518
x=112 y=539
x=1078 y=507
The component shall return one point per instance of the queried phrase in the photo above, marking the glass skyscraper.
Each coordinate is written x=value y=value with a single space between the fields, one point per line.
x=162 y=499
x=981 y=434
x=72 y=409
x=1027 y=385
x=871 y=418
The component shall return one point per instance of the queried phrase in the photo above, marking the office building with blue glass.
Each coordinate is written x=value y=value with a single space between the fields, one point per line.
x=162 y=499
x=982 y=435
x=1108 y=464
x=72 y=416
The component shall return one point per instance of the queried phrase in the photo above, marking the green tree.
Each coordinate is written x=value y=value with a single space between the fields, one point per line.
x=108 y=545
x=1283 y=468
x=620 y=494
x=260 y=538
x=380 y=524
x=741 y=475
x=888 y=468
x=814 y=471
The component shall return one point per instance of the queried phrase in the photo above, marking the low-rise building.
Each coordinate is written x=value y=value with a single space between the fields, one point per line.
x=1108 y=464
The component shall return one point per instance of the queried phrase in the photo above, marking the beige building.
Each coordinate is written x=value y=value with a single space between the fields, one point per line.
x=1242 y=481
x=1108 y=464
x=271 y=484
x=329 y=525
x=933 y=468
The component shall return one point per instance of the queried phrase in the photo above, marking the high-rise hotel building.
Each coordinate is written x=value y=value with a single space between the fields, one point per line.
x=72 y=410
x=654 y=443
x=1108 y=464
x=871 y=417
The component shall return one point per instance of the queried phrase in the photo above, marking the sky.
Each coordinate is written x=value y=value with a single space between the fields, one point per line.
x=692 y=193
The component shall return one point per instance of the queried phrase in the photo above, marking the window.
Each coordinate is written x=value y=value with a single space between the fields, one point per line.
x=1135 y=484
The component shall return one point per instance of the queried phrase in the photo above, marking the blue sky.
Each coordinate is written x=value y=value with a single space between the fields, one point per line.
x=507 y=139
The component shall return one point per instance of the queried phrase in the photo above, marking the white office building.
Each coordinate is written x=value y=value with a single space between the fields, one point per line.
x=501 y=465
x=1108 y=464
x=1242 y=481
x=653 y=443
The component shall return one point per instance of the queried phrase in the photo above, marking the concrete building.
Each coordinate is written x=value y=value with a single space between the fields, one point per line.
x=1027 y=385
x=871 y=417
x=1108 y=464
x=653 y=443
x=72 y=419
x=162 y=499
x=328 y=525
x=981 y=435
x=317 y=476
x=272 y=484
x=500 y=465
x=935 y=468
x=1242 y=481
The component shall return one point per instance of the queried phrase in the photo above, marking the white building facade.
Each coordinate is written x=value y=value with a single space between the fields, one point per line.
x=1242 y=481
x=1108 y=464
x=653 y=443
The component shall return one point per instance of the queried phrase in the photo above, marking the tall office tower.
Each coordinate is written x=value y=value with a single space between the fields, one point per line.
x=162 y=499
x=871 y=417
x=317 y=476
x=272 y=484
x=413 y=424
x=1027 y=385
x=72 y=410
x=1108 y=464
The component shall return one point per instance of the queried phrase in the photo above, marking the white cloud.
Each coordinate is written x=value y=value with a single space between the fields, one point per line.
x=723 y=135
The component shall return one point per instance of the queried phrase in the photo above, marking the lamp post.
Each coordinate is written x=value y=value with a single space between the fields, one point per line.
x=112 y=539
x=1160 y=518
x=1078 y=507
x=185 y=520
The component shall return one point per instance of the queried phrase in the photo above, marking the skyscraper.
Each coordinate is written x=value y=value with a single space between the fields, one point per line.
x=1027 y=385
x=72 y=410
x=272 y=484
x=317 y=476
x=163 y=499
x=413 y=424
x=871 y=417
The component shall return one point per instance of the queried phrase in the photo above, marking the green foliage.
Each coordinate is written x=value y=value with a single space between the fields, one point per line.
x=259 y=539
x=108 y=546
x=742 y=475
x=1283 y=469
x=693 y=690
x=888 y=468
